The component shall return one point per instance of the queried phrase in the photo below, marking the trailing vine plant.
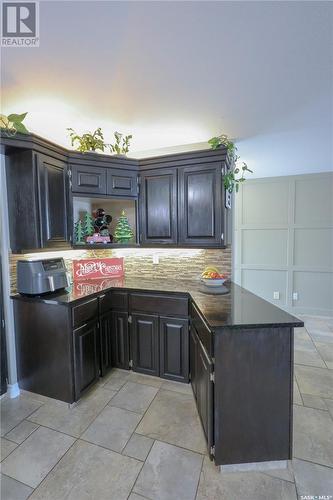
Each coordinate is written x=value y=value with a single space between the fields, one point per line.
x=12 y=124
x=235 y=176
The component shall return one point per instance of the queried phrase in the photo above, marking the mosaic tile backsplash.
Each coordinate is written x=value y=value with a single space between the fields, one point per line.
x=174 y=263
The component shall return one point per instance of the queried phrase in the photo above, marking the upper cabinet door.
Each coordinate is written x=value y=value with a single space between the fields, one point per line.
x=200 y=206
x=86 y=179
x=158 y=207
x=53 y=201
x=122 y=182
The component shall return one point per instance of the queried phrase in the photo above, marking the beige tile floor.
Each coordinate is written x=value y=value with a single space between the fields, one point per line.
x=136 y=437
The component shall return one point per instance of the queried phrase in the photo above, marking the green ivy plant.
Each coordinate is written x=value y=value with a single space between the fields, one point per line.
x=88 y=141
x=235 y=175
x=12 y=124
x=231 y=179
x=122 y=144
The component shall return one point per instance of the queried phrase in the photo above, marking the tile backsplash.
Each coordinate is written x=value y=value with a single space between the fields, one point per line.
x=174 y=263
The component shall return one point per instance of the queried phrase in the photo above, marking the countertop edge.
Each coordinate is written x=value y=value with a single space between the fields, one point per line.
x=52 y=300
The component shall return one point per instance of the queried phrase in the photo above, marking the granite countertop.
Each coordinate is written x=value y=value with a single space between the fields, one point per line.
x=238 y=308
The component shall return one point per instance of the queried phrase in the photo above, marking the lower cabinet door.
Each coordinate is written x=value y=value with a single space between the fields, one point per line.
x=145 y=345
x=105 y=349
x=193 y=361
x=120 y=340
x=86 y=365
x=204 y=388
x=174 y=360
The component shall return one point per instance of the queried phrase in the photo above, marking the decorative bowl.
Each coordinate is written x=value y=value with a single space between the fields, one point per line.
x=210 y=282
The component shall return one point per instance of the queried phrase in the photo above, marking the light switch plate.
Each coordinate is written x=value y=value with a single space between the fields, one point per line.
x=276 y=295
x=295 y=295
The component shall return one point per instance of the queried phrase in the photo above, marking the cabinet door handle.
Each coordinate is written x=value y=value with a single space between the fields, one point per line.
x=102 y=296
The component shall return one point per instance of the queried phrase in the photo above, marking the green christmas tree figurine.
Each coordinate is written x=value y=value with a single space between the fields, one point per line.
x=123 y=232
x=78 y=232
x=88 y=225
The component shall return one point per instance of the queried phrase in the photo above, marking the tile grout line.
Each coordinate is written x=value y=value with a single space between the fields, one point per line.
x=313 y=342
x=55 y=465
x=330 y=467
x=19 y=444
x=73 y=437
x=198 y=484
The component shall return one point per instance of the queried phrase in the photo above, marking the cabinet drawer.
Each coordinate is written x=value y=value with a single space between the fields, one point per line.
x=204 y=334
x=87 y=179
x=85 y=312
x=122 y=182
x=159 y=304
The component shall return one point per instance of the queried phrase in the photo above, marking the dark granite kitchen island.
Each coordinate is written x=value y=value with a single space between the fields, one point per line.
x=236 y=349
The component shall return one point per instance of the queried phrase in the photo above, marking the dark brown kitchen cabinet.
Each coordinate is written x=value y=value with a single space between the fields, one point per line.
x=88 y=179
x=120 y=340
x=121 y=182
x=145 y=343
x=37 y=187
x=193 y=360
x=203 y=386
x=105 y=339
x=158 y=206
x=174 y=359
x=86 y=365
x=200 y=205
x=53 y=201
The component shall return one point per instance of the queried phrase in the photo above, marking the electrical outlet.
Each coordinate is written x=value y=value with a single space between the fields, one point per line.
x=295 y=295
x=156 y=258
x=276 y=295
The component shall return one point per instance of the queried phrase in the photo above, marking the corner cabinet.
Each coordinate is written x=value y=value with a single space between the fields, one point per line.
x=158 y=207
x=201 y=221
x=183 y=206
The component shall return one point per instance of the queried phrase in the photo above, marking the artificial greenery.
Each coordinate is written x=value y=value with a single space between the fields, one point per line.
x=12 y=124
x=88 y=225
x=122 y=144
x=231 y=178
x=123 y=232
x=79 y=232
x=95 y=141
x=223 y=140
x=88 y=141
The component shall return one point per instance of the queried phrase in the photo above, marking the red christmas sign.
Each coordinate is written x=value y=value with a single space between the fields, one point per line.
x=84 y=269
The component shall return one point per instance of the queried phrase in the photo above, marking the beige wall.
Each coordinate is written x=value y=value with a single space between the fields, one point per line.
x=284 y=241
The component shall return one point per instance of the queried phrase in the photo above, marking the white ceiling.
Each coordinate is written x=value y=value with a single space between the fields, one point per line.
x=179 y=72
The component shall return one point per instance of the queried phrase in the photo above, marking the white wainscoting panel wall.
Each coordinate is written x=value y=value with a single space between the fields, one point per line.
x=283 y=241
